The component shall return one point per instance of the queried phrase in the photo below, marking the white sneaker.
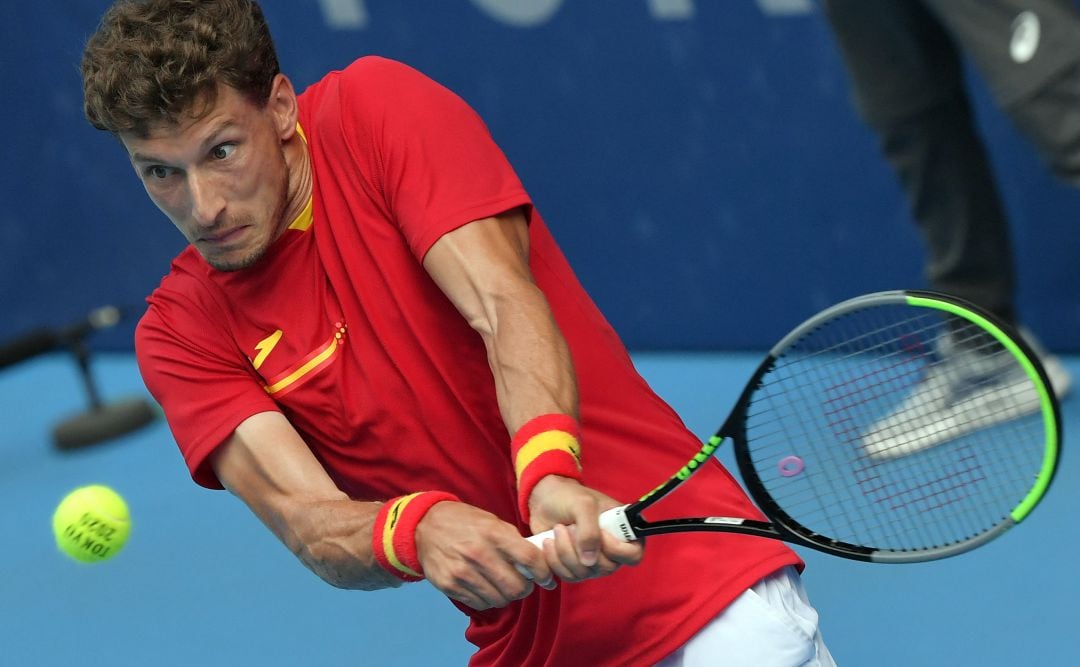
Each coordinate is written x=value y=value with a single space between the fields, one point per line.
x=963 y=390
x=1060 y=379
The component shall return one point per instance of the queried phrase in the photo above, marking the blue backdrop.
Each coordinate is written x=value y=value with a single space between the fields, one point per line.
x=698 y=159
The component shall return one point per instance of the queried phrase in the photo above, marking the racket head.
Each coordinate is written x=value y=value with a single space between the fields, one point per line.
x=896 y=427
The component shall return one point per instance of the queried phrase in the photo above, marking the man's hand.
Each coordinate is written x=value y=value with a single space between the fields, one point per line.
x=470 y=556
x=580 y=550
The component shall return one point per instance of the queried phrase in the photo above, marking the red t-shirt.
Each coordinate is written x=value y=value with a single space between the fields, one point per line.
x=340 y=328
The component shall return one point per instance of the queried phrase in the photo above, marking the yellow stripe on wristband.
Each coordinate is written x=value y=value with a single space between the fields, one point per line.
x=396 y=510
x=546 y=442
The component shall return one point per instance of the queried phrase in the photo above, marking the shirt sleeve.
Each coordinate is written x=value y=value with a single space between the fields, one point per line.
x=202 y=382
x=437 y=165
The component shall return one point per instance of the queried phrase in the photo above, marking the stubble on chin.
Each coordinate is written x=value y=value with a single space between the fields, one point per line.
x=237 y=265
x=253 y=256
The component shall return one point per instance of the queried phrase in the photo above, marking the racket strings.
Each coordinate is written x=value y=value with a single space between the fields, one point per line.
x=898 y=428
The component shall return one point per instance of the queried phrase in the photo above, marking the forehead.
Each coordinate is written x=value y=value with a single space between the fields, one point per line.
x=203 y=120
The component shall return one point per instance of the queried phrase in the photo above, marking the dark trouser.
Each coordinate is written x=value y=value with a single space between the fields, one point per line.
x=904 y=61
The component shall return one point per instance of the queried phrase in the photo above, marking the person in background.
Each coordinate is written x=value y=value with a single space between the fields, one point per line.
x=905 y=61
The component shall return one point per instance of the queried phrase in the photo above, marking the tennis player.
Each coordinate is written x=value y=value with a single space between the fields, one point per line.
x=373 y=340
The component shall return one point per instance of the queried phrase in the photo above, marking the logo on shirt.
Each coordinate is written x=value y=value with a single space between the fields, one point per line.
x=292 y=376
x=1025 y=37
x=264 y=347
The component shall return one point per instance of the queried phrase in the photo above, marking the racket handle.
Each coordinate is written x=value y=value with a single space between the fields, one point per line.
x=613 y=521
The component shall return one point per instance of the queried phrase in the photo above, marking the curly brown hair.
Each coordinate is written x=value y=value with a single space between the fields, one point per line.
x=152 y=61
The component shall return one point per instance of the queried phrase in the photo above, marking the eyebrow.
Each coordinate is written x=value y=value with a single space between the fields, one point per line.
x=139 y=157
x=210 y=140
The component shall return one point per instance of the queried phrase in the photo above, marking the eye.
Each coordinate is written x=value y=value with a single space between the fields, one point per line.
x=222 y=151
x=158 y=172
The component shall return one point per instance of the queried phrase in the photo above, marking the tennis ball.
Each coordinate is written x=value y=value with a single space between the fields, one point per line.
x=91 y=523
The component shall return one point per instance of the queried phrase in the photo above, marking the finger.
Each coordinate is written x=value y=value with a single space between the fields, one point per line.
x=606 y=565
x=549 y=583
x=623 y=553
x=475 y=586
x=512 y=581
x=514 y=586
x=483 y=594
x=566 y=548
x=530 y=563
x=470 y=599
x=587 y=533
x=568 y=566
x=507 y=574
x=562 y=557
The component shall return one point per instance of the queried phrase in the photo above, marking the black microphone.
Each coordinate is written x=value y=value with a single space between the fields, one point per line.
x=42 y=340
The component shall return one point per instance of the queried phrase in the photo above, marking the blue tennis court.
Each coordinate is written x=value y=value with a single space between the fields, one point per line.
x=202 y=582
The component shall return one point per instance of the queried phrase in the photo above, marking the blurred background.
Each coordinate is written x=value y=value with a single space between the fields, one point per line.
x=703 y=169
x=698 y=160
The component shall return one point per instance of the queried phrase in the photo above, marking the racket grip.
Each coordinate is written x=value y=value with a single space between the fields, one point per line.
x=613 y=521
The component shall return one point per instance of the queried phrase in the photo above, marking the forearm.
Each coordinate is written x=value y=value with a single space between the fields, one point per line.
x=467 y=553
x=267 y=465
x=333 y=539
x=529 y=359
x=483 y=267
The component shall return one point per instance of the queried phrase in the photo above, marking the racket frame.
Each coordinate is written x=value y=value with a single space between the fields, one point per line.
x=786 y=528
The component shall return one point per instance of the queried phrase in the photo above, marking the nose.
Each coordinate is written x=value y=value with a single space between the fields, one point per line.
x=207 y=201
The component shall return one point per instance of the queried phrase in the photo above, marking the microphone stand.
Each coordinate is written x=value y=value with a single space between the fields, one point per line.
x=101 y=421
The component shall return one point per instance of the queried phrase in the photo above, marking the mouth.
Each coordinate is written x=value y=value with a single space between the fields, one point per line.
x=223 y=238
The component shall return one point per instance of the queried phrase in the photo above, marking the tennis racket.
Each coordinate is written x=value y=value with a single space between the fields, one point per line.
x=894 y=427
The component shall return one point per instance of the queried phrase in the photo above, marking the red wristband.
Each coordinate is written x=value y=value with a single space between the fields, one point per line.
x=393 y=538
x=545 y=445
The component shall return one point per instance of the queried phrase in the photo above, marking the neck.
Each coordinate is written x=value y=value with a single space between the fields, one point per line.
x=298 y=163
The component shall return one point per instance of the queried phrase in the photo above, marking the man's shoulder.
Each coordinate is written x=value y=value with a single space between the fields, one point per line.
x=365 y=70
x=379 y=68
x=187 y=287
x=362 y=104
x=371 y=81
x=187 y=310
x=186 y=270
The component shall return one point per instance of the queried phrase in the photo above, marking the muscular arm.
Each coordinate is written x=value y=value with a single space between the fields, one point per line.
x=269 y=467
x=483 y=267
x=467 y=553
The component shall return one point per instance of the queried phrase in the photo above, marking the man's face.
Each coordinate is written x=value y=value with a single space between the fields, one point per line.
x=221 y=179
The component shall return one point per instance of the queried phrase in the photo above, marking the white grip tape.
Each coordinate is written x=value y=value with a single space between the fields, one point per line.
x=613 y=521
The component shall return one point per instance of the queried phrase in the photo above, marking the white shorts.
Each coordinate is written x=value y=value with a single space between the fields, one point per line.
x=772 y=624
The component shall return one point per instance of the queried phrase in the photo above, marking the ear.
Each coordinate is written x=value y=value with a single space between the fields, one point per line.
x=282 y=106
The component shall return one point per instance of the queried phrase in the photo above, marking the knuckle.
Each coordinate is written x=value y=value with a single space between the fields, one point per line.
x=607 y=568
x=460 y=574
x=519 y=591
